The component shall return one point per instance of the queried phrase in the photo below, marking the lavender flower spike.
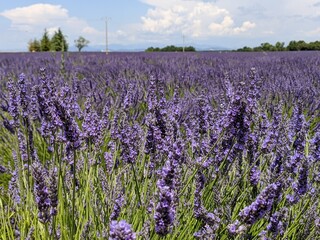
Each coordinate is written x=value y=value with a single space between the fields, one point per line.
x=261 y=205
x=41 y=192
x=121 y=231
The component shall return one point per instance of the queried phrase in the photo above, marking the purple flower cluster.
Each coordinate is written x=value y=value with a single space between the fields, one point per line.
x=41 y=192
x=13 y=104
x=121 y=231
x=92 y=125
x=165 y=211
x=211 y=220
x=129 y=137
x=262 y=205
x=70 y=127
x=276 y=225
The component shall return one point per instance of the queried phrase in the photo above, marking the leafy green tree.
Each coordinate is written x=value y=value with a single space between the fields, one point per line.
x=59 y=42
x=81 y=42
x=267 y=47
x=190 y=49
x=45 y=42
x=34 y=46
x=292 y=46
x=314 y=46
x=245 y=49
x=279 y=46
x=302 y=45
x=150 y=49
x=171 y=48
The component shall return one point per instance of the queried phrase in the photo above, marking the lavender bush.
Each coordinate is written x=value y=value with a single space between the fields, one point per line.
x=160 y=146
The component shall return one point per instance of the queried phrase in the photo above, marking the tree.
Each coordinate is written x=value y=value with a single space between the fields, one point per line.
x=45 y=42
x=58 y=42
x=266 y=47
x=292 y=46
x=34 y=46
x=81 y=42
x=279 y=46
x=171 y=48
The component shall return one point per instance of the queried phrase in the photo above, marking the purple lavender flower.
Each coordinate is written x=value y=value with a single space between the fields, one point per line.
x=211 y=220
x=92 y=126
x=150 y=145
x=164 y=215
x=254 y=175
x=261 y=205
x=14 y=190
x=236 y=228
x=198 y=208
x=276 y=226
x=14 y=186
x=108 y=159
x=117 y=206
x=22 y=147
x=2 y=169
x=33 y=105
x=235 y=124
x=302 y=185
x=315 y=147
x=130 y=135
x=7 y=124
x=207 y=232
x=203 y=114
x=41 y=192
x=70 y=127
x=121 y=231
x=165 y=212
x=53 y=191
x=24 y=99
x=13 y=104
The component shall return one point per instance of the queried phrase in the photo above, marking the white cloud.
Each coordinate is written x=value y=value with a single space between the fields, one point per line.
x=195 y=18
x=35 y=18
x=35 y=15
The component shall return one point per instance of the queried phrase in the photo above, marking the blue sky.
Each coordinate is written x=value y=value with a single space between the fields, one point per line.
x=136 y=24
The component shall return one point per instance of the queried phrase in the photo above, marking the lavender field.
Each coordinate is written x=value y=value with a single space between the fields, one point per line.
x=160 y=146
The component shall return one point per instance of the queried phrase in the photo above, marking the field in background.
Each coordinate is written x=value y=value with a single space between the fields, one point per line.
x=160 y=145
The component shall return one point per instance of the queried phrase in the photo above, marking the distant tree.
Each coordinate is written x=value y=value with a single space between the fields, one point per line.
x=190 y=49
x=34 y=46
x=302 y=45
x=59 y=42
x=245 y=49
x=267 y=47
x=45 y=42
x=171 y=48
x=292 y=46
x=150 y=49
x=314 y=45
x=81 y=42
x=279 y=46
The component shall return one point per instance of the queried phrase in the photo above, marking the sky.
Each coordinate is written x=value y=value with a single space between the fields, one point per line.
x=138 y=24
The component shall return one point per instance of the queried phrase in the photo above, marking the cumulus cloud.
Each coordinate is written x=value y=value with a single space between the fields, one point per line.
x=35 y=18
x=193 y=17
x=35 y=15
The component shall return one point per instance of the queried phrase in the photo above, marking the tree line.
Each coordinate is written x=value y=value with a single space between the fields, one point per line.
x=171 y=48
x=56 y=43
x=280 y=46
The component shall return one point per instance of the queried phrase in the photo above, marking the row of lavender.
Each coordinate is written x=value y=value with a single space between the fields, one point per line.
x=150 y=146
